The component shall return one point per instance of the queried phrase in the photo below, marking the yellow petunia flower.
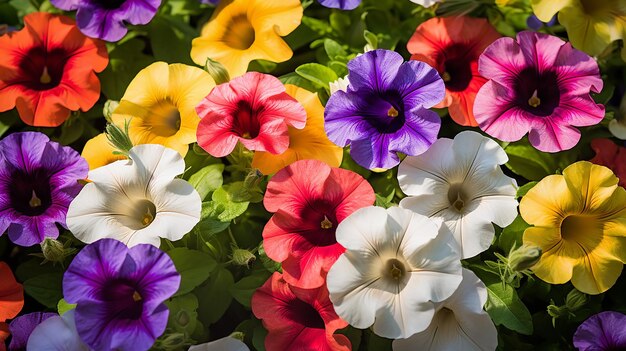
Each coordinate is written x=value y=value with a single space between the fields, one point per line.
x=99 y=152
x=591 y=24
x=309 y=143
x=241 y=31
x=161 y=103
x=579 y=223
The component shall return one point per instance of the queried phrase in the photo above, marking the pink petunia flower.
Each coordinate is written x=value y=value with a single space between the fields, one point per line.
x=540 y=85
x=298 y=319
x=309 y=199
x=253 y=109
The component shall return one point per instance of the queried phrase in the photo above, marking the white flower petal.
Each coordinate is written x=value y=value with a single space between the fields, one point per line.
x=339 y=84
x=57 y=333
x=426 y=3
x=617 y=129
x=156 y=163
x=223 y=344
x=421 y=175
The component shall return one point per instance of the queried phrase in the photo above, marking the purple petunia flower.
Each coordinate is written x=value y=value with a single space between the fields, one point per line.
x=22 y=326
x=38 y=180
x=340 y=4
x=209 y=2
x=106 y=19
x=119 y=294
x=384 y=110
x=602 y=331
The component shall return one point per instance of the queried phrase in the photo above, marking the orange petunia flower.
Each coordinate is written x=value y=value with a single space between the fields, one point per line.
x=47 y=69
x=11 y=299
x=452 y=45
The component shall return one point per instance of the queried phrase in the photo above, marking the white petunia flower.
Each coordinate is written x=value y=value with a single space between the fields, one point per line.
x=136 y=201
x=459 y=324
x=224 y=344
x=461 y=182
x=57 y=333
x=397 y=265
x=426 y=3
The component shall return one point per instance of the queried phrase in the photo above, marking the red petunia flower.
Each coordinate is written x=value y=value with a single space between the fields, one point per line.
x=11 y=300
x=610 y=155
x=310 y=199
x=298 y=319
x=47 y=69
x=452 y=45
x=253 y=109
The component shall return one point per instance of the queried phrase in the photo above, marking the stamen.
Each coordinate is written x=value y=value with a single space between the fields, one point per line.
x=446 y=77
x=392 y=112
x=326 y=223
x=534 y=100
x=147 y=217
x=45 y=77
x=34 y=201
x=137 y=296
x=396 y=273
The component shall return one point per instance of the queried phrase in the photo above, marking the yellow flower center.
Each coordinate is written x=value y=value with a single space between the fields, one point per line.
x=392 y=112
x=137 y=296
x=143 y=214
x=34 y=201
x=534 y=100
x=326 y=223
x=239 y=33
x=164 y=119
x=45 y=76
x=580 y=229
x=446 y=77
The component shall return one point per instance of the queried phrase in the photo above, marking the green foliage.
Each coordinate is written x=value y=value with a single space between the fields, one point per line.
x=194 y=267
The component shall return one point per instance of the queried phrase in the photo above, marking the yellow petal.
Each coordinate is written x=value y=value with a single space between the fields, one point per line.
x=546 y=9
x=595 y=274
x=548 y=202
x=98 y=152
x=558 y=258
x=310 y=142
x=149 y=86
x=591 y=34
x=593 y=186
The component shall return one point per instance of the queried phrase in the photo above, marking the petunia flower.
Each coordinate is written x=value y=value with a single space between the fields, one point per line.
x=426 y=3
x=309 y=199
x=298 y=319
x=610 y=155
x=460 y=322
x=22 y=327
x=385 y=109
x=98 y=152
x=136 y=201
x=579 y=221
x=254 y=110
x=340 y=4
x=309 y=142
x=241 y=31
x=453 y=45
x=461 y=182
x=224 y=344
x=38 y=180
x=160 y=104
x=11 y=299
x=538 y=84
x=105 y=19
x=47 y=70
x=591 y=25
x=601 y=332
x=397 y=266
x=119 y=294
x=56 y=333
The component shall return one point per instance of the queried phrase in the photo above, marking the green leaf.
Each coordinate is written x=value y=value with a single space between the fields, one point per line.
x=231 y=209
x=318 y=74
x=194 y=267
x=295 y=79
x=183 y=315
x=215 y=296
x=47 y=289
x=533 y=164
x=243 y=290
x=207 y=179
x=170 y=39
x=125 y=61
x=523 y=190
x=334 y=49
x=503 y=305
x=512 y=235
x=63 y=307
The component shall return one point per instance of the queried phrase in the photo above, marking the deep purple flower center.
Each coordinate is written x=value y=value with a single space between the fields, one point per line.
x=385 y=112
x=246 y=122
x=43 y=69
x=457 y=70
x=125 y=300
x=109 y=4
x=304 y=314
x=321 y=213
x=30 y=192
x=537 y=93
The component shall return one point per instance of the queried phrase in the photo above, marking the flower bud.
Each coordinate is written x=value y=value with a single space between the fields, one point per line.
x=217 y=71
x=524 y=257
x=173 y=341
x=53 y=250
x=575 y=300
x=119 y=138
x=237 y=335
x=109 y=107
x=243 y=257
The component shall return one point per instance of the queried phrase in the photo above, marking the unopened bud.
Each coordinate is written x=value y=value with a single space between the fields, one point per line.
x=53 y=250
x=524 y=257
x=183 y=318
x=109 y=107
x=557 y=311
x=119 y=139
x=217 y=71
x=237 y=335
x=575 y=300
x=243 y=257
x=173 y=341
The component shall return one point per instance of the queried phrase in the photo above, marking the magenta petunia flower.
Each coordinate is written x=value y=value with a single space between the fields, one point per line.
x=538 y=85
x=38 y=180
x=119 y=294
x=602 y=332
x=385 y=109
x=106 y=19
